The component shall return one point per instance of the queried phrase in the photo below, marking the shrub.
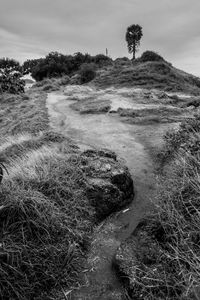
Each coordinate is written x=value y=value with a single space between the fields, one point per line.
x=11 y=83
x=102 y=60
x=122 y=61
x=56 y=65
x=87 y=72
x=50 y=69
x=151 y=56
x=29 y=64
x=10 y=76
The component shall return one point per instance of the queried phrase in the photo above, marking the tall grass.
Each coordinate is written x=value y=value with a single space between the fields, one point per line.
x=168 y=253
x=179 y=214
x=45 y=217
x=45 y=223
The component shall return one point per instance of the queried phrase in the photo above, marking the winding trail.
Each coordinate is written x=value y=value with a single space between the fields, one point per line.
x=133 y=144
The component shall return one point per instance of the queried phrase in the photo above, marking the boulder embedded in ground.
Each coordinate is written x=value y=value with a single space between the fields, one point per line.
x=109 y=185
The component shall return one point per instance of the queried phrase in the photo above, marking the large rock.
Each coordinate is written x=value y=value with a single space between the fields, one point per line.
x=109 y=185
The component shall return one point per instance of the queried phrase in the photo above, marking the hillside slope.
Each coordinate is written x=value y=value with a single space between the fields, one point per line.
x=150 y=74
x=52 y=195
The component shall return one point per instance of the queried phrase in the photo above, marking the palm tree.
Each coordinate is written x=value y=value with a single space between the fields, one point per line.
x=133 y=37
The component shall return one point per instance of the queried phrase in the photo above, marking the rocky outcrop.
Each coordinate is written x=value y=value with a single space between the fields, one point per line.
x=109 y=185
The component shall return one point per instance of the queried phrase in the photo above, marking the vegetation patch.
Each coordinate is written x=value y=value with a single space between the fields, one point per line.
x=57 y=65
x=164 y=250
x=151 y=56
x=46 y=218
x=159 y=114
x=46 y=221
x=10 y=76
x=31 y=106
x=51 y=197
x=149 y=74
x=87 y=72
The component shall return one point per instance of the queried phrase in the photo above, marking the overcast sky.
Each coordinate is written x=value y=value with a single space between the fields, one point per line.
x=32 y=28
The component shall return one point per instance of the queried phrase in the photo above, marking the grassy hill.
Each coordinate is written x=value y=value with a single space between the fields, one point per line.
x=48 y=207
x=148 y=74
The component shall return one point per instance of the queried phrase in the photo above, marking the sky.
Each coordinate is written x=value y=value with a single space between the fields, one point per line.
x=33 y=28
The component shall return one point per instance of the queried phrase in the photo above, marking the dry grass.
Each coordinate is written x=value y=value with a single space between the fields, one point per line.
x=51 y=84
x=174 y=272
x=179 y=212
x=46 y=219
x=159 y=114
x=18 y=145
x=22 y=113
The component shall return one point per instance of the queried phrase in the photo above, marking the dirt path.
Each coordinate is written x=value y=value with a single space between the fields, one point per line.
x=133 y=145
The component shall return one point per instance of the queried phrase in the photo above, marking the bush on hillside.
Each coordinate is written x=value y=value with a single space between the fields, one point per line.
x=102 y=60
x=10 y=76
x=87 y=72
x=11 y=83
x=151 y=56
x=56 y=64
x=122 y=61
x=29 y=64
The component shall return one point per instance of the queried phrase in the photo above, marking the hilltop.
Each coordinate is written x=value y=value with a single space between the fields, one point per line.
x=149 y=71
x=147 y=74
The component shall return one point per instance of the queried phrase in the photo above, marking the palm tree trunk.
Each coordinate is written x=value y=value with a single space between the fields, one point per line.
x=134 y=50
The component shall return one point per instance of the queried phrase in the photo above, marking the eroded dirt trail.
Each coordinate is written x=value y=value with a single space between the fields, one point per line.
x=133 y=145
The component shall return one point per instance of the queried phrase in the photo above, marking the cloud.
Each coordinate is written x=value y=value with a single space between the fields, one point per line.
x=34 y=28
